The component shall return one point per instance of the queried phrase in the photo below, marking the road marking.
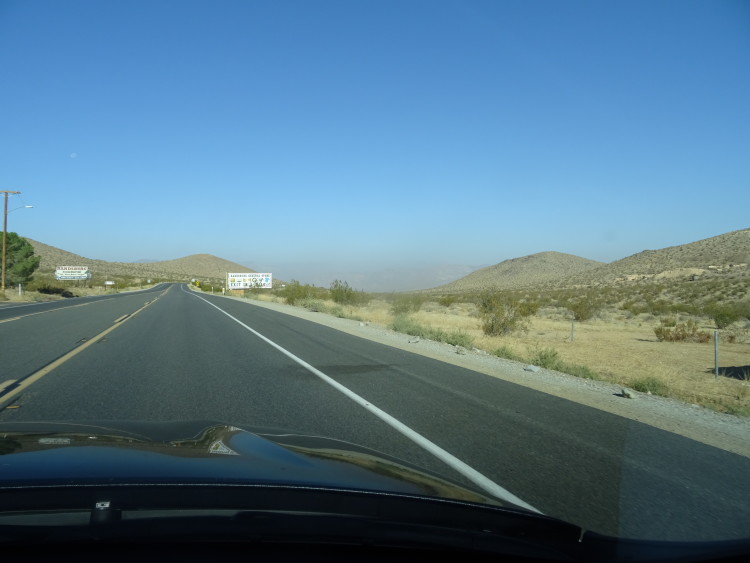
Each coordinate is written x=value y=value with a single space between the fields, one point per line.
x=70 y=306
x=5 y=384
x=2 y=308
x=19 y=385
x=464 y=469
x=50 y=311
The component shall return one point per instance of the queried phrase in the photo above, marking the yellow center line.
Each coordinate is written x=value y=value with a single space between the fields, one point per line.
x=36 y=376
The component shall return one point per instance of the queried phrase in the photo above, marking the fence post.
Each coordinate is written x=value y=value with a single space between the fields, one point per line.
x=716 y=354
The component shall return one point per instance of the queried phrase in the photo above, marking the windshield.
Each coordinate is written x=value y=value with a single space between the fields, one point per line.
x=502 y=242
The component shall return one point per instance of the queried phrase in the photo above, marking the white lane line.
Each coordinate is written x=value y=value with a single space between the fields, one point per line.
x=466 y=470
x=3 y=307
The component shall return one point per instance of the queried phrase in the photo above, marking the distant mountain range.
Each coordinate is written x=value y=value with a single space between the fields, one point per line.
x=727 y=253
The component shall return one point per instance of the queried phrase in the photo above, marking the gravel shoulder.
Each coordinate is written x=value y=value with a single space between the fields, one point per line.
x=719 y=430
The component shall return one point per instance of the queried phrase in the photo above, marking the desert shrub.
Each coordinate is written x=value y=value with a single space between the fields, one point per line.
x=503 y=313
x=667 y=331
x=47 y=289
x=312 y=304
x=634 y=307
x=583 y=309
x=406 y=303
x=407 y=325
x=343 y=294
x=447 y=300
x=650 y=385
x=660 y=307
x=459 y=338
x=726 y=314
x=724 y=317
x=506 y=353
x=579 y=370
x=728 y=336
x=295 y=292
x=547 y=358
x=337 y=311
x=528 y=308
x=734 y=334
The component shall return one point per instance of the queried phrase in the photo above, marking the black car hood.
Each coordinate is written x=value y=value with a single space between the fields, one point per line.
x=205 y=452
x=193 y=482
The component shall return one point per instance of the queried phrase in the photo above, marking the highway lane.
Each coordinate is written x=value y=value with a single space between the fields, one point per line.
x=12 y=309
x=35 y=334
x=181 y=358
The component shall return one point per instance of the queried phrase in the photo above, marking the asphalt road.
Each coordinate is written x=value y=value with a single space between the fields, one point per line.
x=169 y=354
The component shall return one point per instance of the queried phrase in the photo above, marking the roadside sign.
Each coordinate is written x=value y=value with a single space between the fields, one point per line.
x=72 y=273
x=247 y=280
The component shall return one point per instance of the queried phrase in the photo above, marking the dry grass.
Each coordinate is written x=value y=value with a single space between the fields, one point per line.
x=627 y=353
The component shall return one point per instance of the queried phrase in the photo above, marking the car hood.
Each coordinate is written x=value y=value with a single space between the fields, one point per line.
x=205 y=452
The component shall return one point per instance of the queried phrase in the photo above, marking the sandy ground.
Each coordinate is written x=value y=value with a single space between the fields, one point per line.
x=723 y=431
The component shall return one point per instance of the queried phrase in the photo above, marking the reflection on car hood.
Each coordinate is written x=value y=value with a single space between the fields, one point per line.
x=36 y=454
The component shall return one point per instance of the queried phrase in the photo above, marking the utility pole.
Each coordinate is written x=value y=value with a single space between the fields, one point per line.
x=5 y=230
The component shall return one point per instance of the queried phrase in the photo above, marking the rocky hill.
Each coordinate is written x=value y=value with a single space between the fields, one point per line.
x=720 y=255
x=535 y=269
x=723 y=255
x=199 y=266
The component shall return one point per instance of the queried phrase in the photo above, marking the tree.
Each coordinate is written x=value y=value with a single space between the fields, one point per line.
x=20 y=262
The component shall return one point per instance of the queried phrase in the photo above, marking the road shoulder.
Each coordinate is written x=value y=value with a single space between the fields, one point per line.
x=727 y=432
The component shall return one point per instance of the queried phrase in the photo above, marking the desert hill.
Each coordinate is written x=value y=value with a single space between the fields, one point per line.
x=200 y=266
x=727 y=254
x=722 y=254
x=535 y=269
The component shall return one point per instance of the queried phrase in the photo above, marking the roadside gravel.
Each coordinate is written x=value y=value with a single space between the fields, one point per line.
x=723 y=431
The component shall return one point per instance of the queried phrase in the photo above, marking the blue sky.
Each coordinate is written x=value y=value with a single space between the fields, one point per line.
x=374 y=134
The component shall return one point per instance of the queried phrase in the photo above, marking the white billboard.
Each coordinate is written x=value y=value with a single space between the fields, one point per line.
x=245 y=280
x=72 y=273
